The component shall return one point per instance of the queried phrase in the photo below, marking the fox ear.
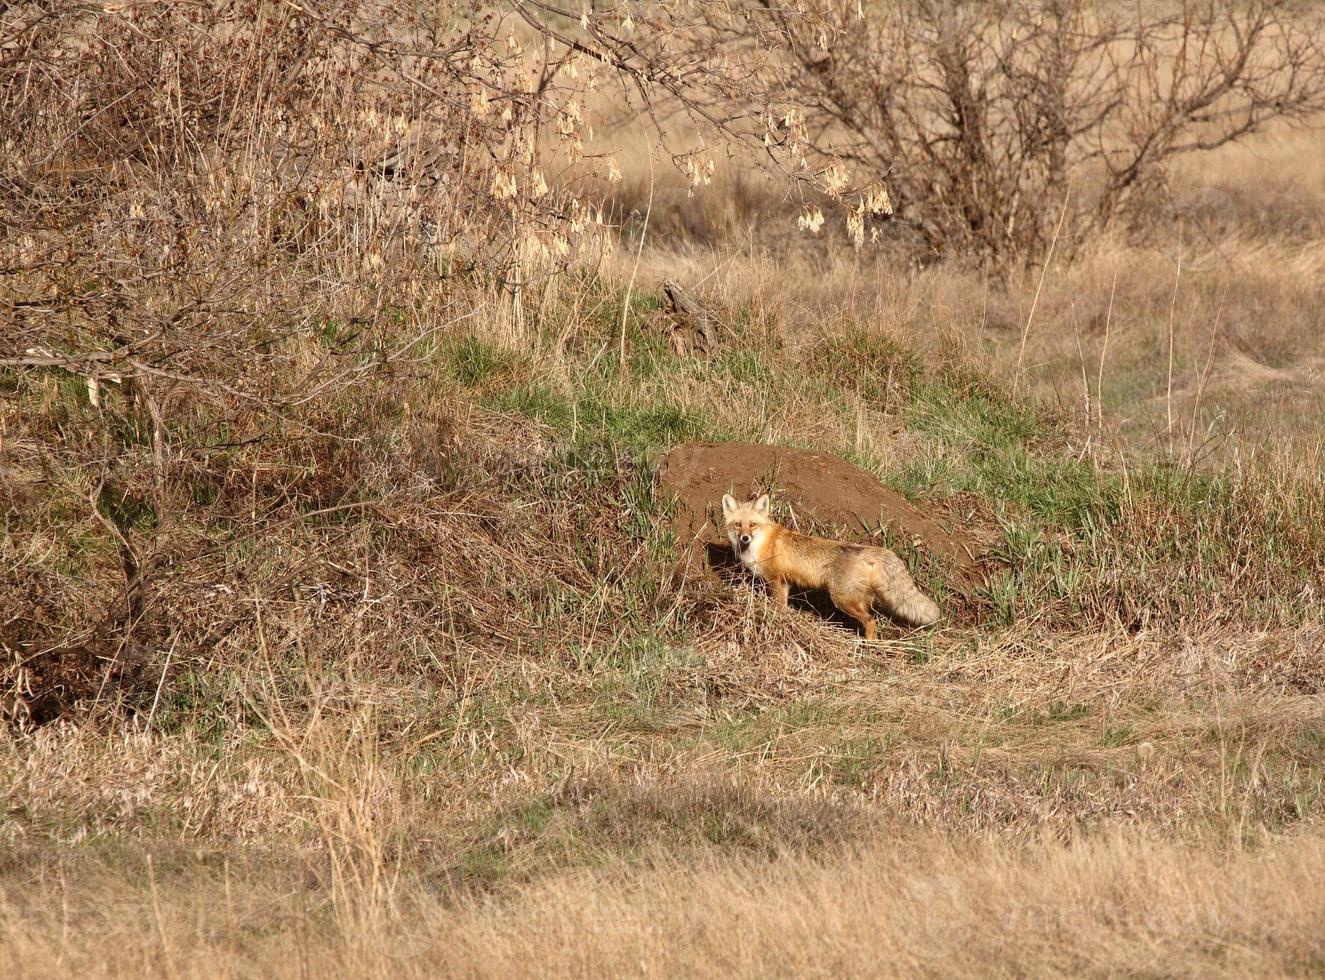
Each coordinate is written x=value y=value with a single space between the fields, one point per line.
x=761 y=504
x=728 y=503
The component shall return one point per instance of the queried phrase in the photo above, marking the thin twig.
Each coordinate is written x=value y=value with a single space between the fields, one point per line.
x=1044 y=269
x=625 y=306
x=1173 y=306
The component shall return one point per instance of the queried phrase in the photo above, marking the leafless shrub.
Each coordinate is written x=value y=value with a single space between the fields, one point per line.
x=220 y=219
x=999 y=126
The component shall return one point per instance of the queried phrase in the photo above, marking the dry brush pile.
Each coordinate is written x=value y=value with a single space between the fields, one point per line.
x=225 y=222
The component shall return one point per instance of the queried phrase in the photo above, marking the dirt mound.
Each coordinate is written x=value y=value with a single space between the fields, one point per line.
x=807 y=488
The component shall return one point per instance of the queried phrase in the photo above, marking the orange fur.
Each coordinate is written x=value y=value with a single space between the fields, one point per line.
x=855 y=576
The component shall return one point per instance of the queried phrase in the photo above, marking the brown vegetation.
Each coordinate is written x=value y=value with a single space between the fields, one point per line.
x=344 y=626
x=896 y=906
x=1006 y=129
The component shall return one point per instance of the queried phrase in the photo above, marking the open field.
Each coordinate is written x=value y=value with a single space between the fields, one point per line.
x=424 y=682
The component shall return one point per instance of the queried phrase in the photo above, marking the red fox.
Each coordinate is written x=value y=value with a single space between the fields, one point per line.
x=855 y=575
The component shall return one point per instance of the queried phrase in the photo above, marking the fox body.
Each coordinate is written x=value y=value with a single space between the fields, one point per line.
x=856 y=576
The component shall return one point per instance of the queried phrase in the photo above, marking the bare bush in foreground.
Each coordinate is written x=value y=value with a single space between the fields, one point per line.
x=216 y=213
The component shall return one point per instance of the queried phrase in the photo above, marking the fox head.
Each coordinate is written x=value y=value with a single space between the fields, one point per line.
x=747 y=525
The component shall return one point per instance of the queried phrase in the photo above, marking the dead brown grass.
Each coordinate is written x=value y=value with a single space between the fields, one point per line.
x=415 y=682
x=1227 y=262
x=895 y=906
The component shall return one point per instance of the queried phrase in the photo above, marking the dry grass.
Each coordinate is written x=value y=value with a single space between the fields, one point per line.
x=1242 y=303
x=421 y=684
x=897 y=906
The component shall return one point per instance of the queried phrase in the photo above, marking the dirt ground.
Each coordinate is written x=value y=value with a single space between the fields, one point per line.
x=808 y=489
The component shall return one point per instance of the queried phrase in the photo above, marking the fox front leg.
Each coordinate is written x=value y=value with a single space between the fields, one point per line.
x=781 y=590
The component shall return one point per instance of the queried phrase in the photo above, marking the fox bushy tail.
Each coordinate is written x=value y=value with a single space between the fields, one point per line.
x=907 y=603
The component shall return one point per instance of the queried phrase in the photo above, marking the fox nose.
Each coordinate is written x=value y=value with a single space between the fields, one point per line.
x=745 y=540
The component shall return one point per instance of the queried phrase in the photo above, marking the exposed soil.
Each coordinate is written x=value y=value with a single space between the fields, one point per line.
x=808 y=488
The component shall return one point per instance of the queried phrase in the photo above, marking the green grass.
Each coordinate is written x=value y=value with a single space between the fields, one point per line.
x=535 y=622
x=1137 y=540
x=587 y=419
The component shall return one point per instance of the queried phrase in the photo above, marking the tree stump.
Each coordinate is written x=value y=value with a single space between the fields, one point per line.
x=689 y=327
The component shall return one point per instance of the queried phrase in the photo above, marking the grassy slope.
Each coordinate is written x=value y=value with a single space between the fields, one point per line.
x=494 y=672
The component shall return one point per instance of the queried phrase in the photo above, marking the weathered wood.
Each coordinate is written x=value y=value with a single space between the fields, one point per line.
x=689 y=326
